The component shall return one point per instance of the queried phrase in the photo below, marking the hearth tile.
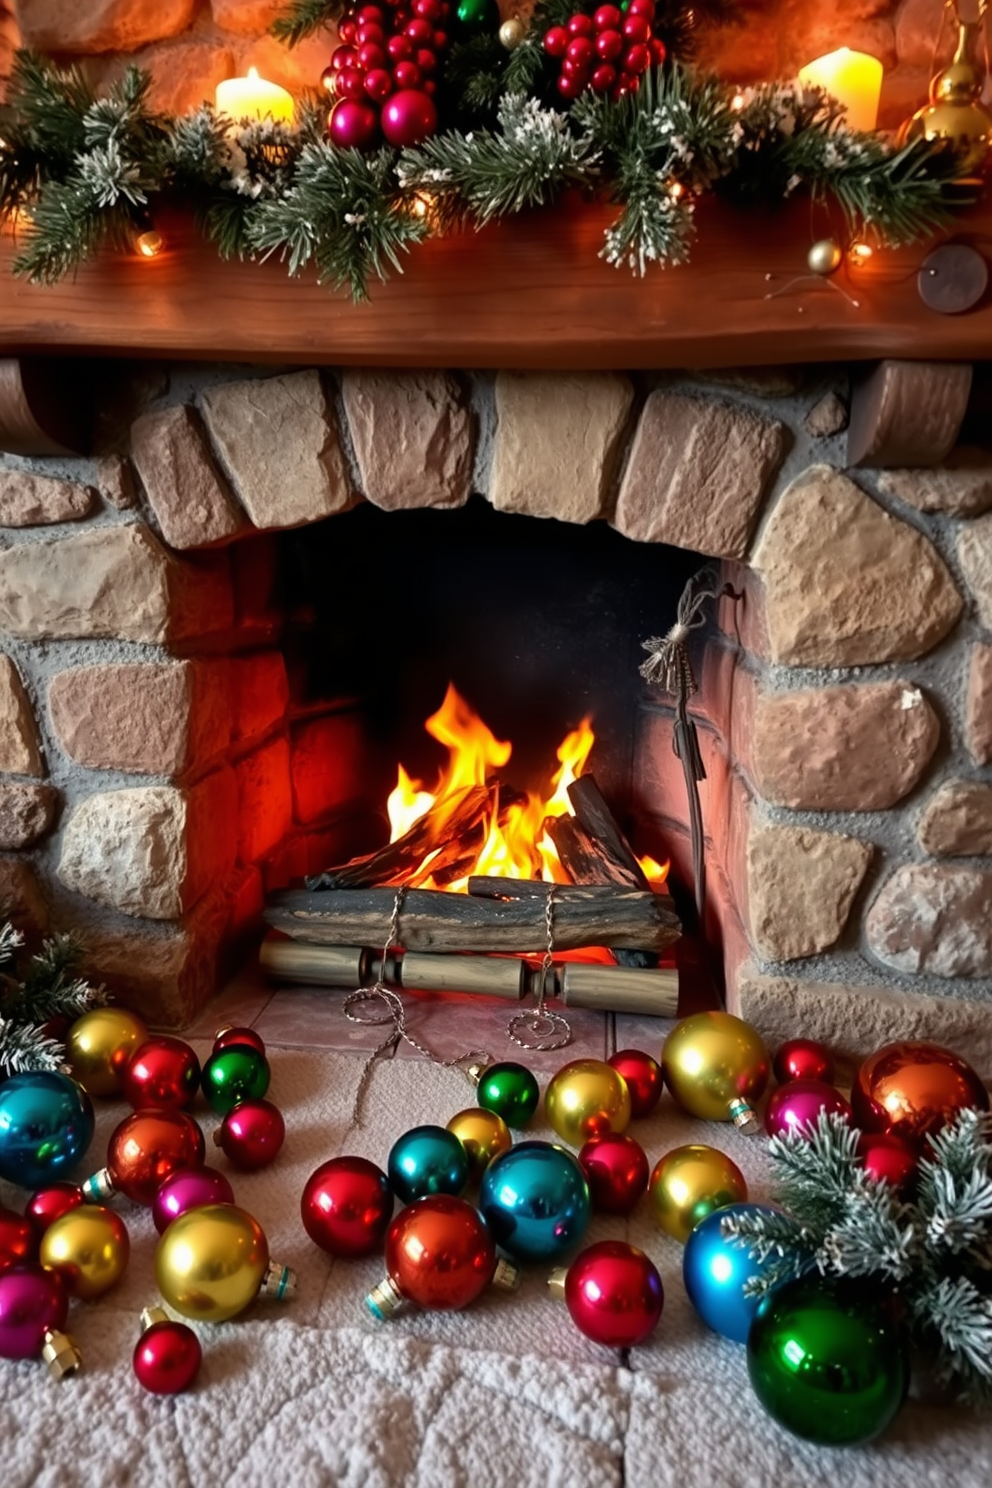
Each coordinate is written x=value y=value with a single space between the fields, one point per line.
x=633 y=1031
x=452 y=1027
x=311 y=1018
x=238 y=1003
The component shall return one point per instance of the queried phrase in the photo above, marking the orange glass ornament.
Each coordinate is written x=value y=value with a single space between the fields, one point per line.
x=911 y=1089
x=144 y=1150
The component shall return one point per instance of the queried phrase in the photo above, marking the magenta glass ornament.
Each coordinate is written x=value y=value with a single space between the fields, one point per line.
x=32 y=1301
x=799 y=1102
x=408 y=117
x=616 y=1170
x=803 y=1059
x=352 y=125
x=189 y=1188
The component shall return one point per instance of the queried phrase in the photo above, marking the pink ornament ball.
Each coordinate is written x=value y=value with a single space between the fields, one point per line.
x=353 y=125
x=189 y=1188
x=408 y=117
x=798 y=1103
x=252 y=1134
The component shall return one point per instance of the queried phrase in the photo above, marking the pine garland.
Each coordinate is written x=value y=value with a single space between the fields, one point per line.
x=934 y=1249
x=48 y=986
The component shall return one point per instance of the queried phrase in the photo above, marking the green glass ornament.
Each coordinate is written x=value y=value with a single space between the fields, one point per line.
x=511 y=1091
x=827 y=1361
x=478 y=15
x=233 y=1075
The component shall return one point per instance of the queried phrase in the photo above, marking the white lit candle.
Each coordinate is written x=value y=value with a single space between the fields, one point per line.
x=252 y=97
x=853 y=78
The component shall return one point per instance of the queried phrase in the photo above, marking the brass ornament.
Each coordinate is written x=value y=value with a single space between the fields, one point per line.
x=99 y=1046
x=512 y=33
x=483 y=1134
x=89 y=1248
x=824 y=257
x=716 y=1066
x=211 y=1262
x=587 y=1098
x=955 y=112
x=689 y=1183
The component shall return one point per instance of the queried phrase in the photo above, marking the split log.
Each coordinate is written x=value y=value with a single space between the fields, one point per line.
x=444 y=831
x=593 y=814
x=433 y=920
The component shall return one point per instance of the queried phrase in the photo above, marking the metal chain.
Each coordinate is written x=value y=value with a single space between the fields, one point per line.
x=386 y=1007
x=546 y=1030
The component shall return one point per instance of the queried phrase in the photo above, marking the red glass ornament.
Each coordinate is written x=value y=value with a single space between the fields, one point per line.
x=659 y=51
x=426 y=60
x=799 y=1102
x=351 y=84
x=166 y=1358
x=400 y=48
x=643 y=1077
x=570 y=87
x=888 y=1158
x=18 y=1239
x=370 y=56
x=49 y=1204
x=406 y=75
x=635 y=28
x=429 y=10
x=616 y=1170
x=439 y=1253
x=252 y=1134
x=347 y=1205
x=609 y=45
x=607 y=18
x=614 y=1294
x=353 y=125
x=369 y=36
x=347 y=30
x=163 y=1074
x=408 y=117
x=803 y=1059
x=370 y=15
x=577 y=71
x=912 y=1089
x=439 y=40
x=378 y=84
x=342 y=57
x=580 y=25
x=189 y=1188
x=420 y=32
x=148 y=1147
x=603 y=78
x=430 y=87
x=555 y=41
x=638 y=59
x=581 y=51
x=644 y=8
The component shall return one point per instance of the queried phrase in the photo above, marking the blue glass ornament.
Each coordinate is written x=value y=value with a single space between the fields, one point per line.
x=427 y=1160
x=535 y=1199
x=46 y=1124
x=714 y=1271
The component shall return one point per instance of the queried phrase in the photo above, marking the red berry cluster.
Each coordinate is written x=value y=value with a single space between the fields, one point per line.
x=607 y=51
x=383 y=73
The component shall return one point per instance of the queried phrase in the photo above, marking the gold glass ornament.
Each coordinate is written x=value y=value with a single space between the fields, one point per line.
x=484 y=1135
x=824 y=257
x=587 y=1098
x=715 y=1065
x=99 y=1046
x=212 y=1262
x=689 y=1183
x=89 y=1247
x=512 y=33
x=955 y=112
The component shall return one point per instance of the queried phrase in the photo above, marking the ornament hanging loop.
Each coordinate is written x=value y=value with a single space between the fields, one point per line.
x=539 y=1030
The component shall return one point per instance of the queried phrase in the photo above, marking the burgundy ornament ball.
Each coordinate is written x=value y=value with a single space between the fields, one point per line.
x=643 y=1076
x=225 y=1037
x=346 y=1206
x=408 y=118
x=18 y=1239
x=614 y=1294
x=803 y=1059
x=163 y=1074
x=798 y=1103
x=32 y=1301
x=887 y=1157
x=189 y=1188
x=166 y=1358
x=616 y=1170
x=251 y=1134
x=49 y=1204
x=352 y=125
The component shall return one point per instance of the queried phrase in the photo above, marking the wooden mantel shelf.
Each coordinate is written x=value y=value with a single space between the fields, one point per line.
x=528 y=293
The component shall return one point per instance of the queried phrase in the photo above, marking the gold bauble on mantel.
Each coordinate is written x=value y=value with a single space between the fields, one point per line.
x=954 y=112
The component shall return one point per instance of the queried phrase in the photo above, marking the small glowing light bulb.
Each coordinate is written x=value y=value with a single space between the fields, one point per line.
x=149 y=243
x=860 y=253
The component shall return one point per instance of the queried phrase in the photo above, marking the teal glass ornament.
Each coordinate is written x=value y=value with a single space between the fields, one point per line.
x=511 y=1091
x=46 y=1125
x=235 y=1074
x=827 y=1361
x=715 y=1270
x=478 y=15
x=535 y=1199
x=427 y=1160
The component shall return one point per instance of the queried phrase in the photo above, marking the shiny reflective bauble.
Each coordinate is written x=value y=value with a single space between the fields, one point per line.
x=408 y=117
x=228 y=1038
x=347 y=1205
x=614 y=1294
x=89 y=1247
x=18 y=1239
x=827 y=1362
x=46 y=1125
x=535 y=1199
x=440 y=1253
x=237 y=1073
x=888 y=1158
x=690 y=1182
x=512 y=33
x=796 y=1106
x=252 y=1134
x=711 y=1059
x=511 y=1091
x=587 y=1098
x=803 y=1059
x=477 y=15
x=150 y=1146
x=616 y=1170
x=427 y=1160
x=166 y=1358
x=49 y=1204
x=643 y=1077
x=32 y=1300
x=351 y=125
x=911 y=1089
x=484 y=1135
x=99 y=1046
x=163 y=1075
x=210 y=1262
x=955 y=113
x=716 y=1270
x=824 y=257
x=189 y=1188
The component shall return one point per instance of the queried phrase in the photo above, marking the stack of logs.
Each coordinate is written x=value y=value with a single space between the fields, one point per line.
x=331 y=933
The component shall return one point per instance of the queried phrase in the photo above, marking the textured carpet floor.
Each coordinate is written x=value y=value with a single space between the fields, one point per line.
x=509 y=1392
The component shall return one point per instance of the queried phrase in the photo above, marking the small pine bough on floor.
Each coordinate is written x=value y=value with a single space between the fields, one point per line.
x=49 y=986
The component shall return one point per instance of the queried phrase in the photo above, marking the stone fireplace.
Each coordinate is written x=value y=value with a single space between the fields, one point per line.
x=167 y=761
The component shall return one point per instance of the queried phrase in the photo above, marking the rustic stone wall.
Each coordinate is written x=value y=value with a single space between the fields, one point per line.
x=191 y=45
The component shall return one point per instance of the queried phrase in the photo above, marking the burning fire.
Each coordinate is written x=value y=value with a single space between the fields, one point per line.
x=516 y=844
